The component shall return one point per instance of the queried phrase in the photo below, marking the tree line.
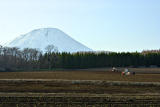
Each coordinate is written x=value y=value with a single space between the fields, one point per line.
x=12 y=59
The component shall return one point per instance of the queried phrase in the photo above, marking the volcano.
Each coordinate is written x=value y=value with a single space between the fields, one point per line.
x=41 y=38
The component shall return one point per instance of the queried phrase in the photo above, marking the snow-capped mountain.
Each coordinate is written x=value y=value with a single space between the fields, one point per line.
x=41 y=38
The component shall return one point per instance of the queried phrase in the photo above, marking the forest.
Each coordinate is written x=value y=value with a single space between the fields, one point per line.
x=14 y=59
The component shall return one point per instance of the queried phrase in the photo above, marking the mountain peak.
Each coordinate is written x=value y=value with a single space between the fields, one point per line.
x=46 y=29
x=41 y=38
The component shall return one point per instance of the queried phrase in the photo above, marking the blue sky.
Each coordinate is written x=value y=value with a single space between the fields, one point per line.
x=110 y=25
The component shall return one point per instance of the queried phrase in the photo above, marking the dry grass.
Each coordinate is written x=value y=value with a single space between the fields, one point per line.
x=67 y=86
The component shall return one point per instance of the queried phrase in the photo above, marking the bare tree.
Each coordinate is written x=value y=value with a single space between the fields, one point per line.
x=51 y=48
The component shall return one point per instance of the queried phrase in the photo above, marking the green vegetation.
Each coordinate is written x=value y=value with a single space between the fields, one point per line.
x=32 y=59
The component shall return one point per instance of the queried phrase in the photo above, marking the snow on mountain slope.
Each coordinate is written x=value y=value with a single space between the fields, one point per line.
x=41 y=38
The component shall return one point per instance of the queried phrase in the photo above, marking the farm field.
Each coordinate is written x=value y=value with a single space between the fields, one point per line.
x=142 y=75
x=82 y=88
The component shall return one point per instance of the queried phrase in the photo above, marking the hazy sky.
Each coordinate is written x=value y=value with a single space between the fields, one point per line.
x=111 y=25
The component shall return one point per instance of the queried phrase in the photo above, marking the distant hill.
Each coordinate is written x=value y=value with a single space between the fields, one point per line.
x=41 y=38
